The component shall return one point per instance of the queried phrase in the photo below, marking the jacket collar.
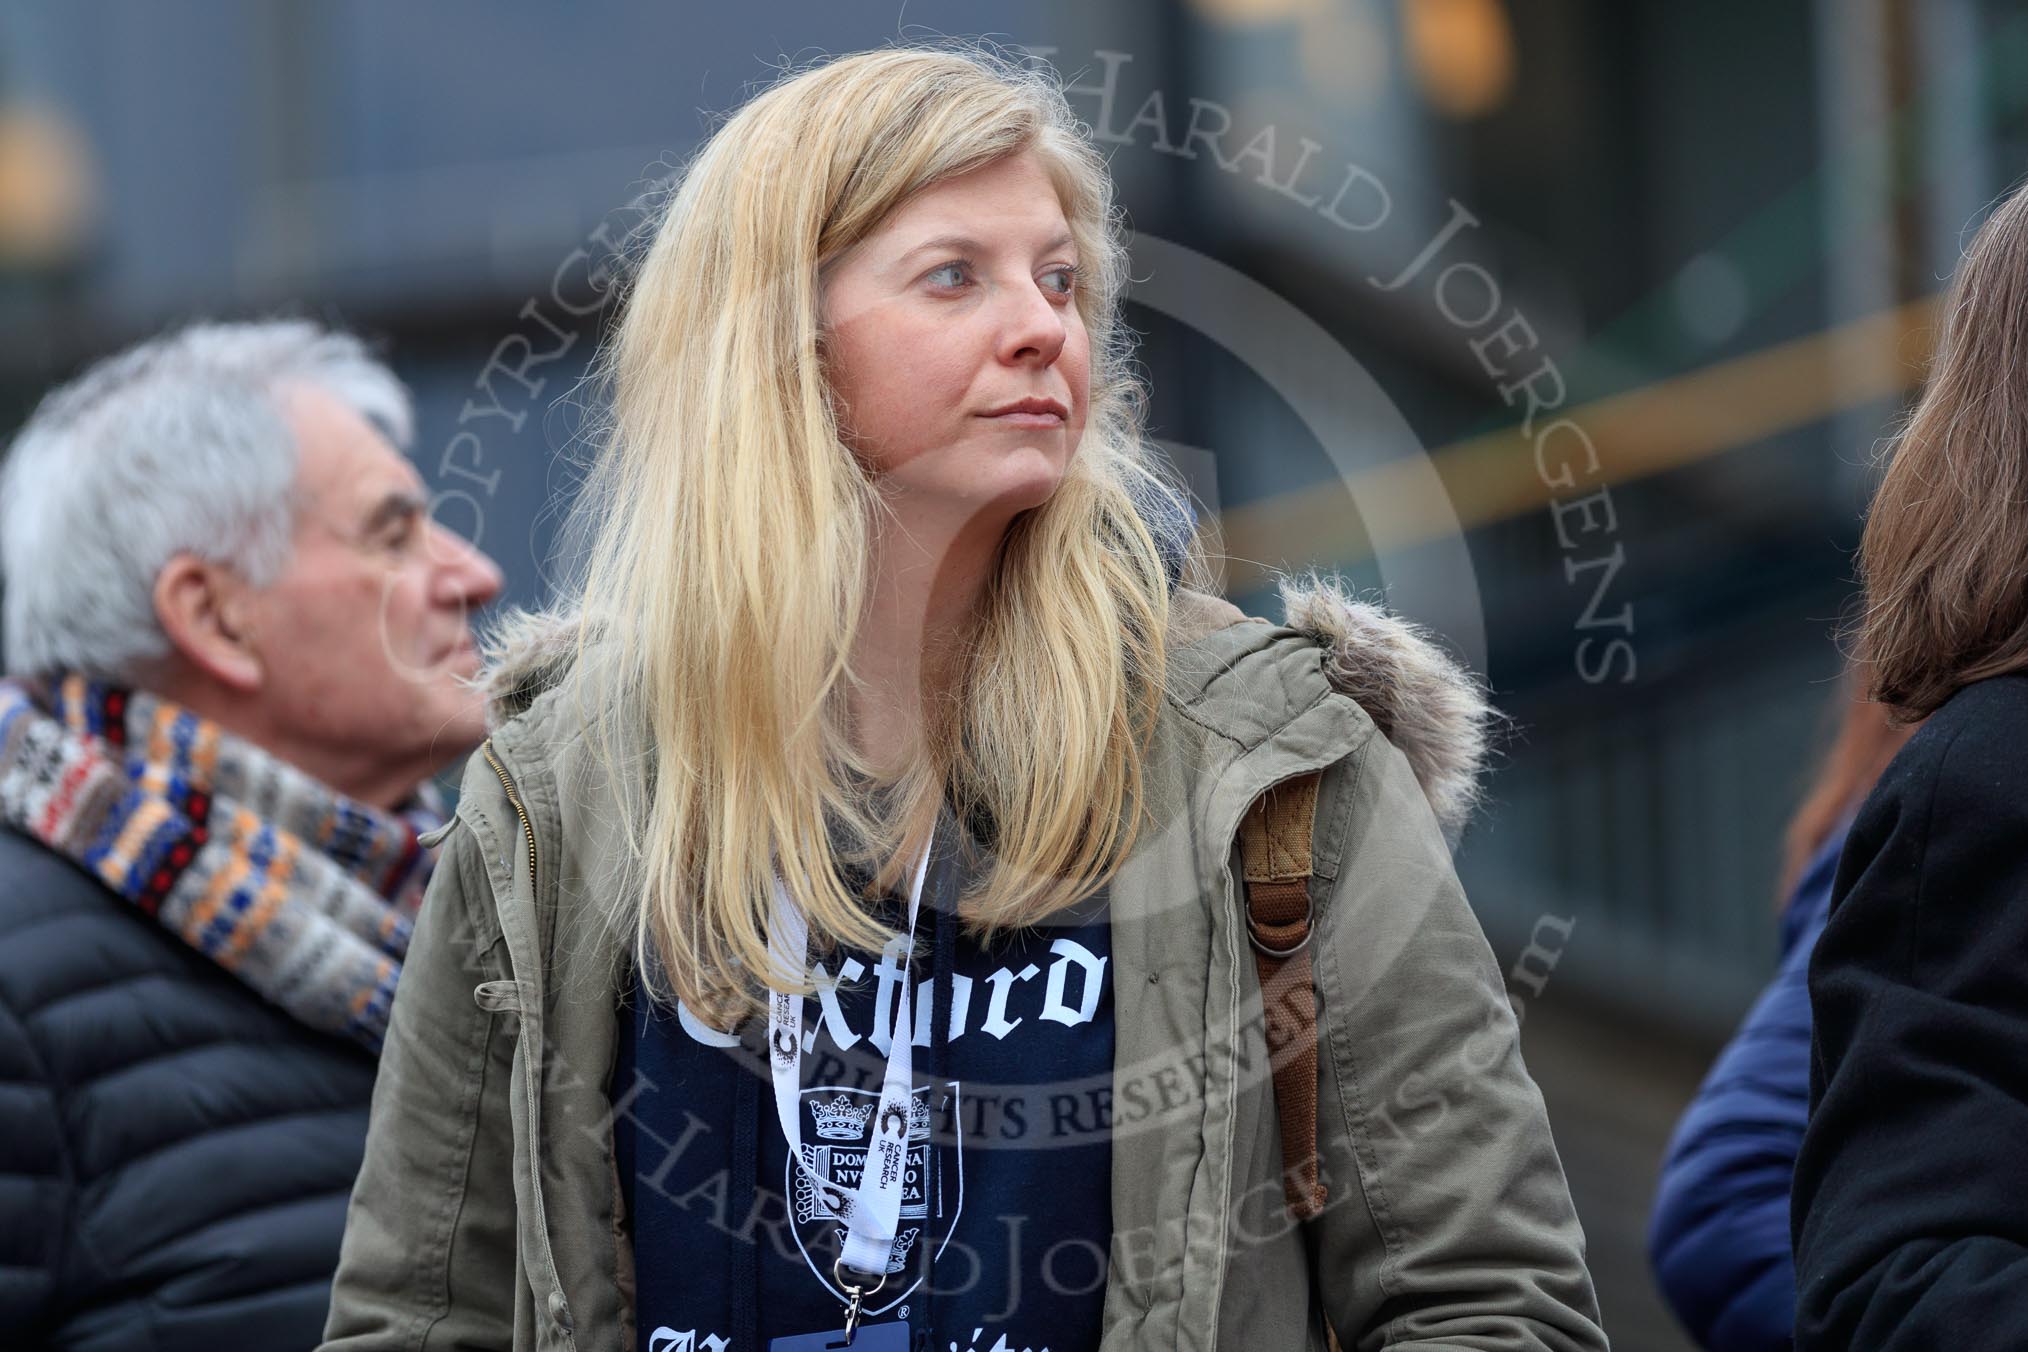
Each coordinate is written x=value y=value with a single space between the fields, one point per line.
x=1221 y=660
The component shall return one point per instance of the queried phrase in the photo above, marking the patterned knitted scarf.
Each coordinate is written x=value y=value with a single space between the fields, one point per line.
x=302 y=893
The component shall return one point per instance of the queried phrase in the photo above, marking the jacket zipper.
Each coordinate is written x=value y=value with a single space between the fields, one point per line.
x=559 y=1308
x=507 y=787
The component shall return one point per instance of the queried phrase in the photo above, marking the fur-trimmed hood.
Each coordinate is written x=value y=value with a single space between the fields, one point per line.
x=1431 y=707
x=524 y=652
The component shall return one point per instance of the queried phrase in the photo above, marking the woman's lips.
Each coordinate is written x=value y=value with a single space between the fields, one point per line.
x=1037 y=420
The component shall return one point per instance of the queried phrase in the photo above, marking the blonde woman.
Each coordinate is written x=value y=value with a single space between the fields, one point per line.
x=838 y=941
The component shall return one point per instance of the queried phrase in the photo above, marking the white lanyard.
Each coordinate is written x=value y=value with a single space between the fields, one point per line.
x=876 y=1206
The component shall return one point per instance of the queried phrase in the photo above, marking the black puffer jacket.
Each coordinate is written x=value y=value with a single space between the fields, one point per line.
x=175 y=1154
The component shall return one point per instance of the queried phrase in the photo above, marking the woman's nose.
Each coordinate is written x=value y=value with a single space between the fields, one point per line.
x=1035 y=330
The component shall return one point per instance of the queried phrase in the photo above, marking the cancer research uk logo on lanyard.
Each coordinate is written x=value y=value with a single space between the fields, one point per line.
x=871 y=1212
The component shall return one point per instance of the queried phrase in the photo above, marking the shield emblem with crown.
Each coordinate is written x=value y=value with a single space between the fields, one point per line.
x=838 y=1129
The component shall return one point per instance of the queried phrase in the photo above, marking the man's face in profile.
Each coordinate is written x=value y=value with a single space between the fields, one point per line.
x=364 y=639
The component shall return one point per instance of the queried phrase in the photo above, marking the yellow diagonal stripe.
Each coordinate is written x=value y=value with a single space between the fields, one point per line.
x=1675 y=422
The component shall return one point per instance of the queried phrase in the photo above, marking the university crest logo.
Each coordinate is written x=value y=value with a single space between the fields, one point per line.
x=838 y=1131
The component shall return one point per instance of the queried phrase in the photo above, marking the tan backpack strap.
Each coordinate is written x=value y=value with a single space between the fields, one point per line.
x=1274 y=853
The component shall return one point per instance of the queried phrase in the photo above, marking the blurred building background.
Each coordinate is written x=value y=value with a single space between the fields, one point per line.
x=1706 y=236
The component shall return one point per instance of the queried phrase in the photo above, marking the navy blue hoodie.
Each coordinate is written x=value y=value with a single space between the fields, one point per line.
x=1006 y=1213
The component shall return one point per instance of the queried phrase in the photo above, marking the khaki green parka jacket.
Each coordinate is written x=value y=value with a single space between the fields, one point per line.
x=488 y=1213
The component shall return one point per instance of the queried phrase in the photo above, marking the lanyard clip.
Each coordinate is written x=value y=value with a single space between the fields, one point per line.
x=856 y=1294
x=852 y=1317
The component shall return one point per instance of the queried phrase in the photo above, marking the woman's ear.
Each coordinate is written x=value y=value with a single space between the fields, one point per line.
x=205 y=609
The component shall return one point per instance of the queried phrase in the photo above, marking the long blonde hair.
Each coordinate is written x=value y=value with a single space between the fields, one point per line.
x=727 y=528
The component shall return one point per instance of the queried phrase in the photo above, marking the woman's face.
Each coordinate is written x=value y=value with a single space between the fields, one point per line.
x=957 y=356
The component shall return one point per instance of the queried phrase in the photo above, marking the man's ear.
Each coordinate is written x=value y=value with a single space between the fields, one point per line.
x=205 y=608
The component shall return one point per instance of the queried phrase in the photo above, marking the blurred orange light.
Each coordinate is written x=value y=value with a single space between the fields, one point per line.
x=47 y=193
x=1462 y=52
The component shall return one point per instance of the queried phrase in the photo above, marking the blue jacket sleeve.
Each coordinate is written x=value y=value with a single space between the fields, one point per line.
x=1719 y=1235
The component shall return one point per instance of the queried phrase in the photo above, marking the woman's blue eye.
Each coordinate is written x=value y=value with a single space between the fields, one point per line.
x=958 y=269
x=1069 y=276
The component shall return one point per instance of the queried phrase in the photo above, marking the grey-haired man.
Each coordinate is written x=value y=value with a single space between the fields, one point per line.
x=237 y=647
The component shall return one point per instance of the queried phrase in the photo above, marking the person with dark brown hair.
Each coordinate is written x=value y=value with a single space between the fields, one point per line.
x=1910 y=1202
